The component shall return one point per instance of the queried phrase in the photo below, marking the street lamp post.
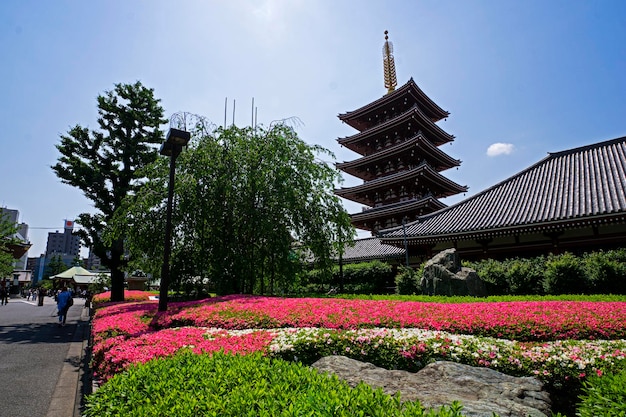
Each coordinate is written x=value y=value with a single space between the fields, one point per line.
x=406 y=246
x=172 y=147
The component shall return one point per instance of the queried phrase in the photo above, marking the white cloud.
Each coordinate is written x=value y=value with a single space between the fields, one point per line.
x=498 y=148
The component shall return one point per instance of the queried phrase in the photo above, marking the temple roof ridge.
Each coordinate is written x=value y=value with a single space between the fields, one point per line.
x=413 y=110
x=405 y=88
x=414 y=141
x=400 y=176
x=541 y=194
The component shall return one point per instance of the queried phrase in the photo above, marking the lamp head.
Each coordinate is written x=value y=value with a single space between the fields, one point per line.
x=178 y=137
x=167 y=149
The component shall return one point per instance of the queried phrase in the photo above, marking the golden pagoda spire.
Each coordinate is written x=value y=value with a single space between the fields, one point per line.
x=389 y=65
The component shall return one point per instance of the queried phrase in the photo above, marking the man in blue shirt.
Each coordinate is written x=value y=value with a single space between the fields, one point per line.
x=64 y=302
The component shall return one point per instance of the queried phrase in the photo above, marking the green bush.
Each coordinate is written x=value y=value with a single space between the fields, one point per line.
x=375 y=277
x=565 y=275
x=604 y=396
x=493 y=273
x=602 y=272
x=525 y=276
x=366 y=277
x=408 y=280
x=187 y=384
x=606 y=271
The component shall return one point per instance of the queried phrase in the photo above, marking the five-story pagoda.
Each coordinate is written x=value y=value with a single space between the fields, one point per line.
x=401 y=162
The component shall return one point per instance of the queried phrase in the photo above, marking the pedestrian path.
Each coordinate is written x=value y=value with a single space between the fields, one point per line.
x=44 y=369
x=67 y=395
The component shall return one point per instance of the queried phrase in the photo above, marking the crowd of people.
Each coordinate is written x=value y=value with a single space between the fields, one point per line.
x=64 y=297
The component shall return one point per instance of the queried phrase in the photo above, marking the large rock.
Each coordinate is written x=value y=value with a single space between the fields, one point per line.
x=443 y=275
x=481 y=391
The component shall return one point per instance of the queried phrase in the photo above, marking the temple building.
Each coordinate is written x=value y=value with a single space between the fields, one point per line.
x=573 y=200
x=400 y=160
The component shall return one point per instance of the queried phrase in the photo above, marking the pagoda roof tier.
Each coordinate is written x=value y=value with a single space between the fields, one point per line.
x=434 y=133
x=409 y=93
x=438 y=185
x=403 y=208
x=413 y=150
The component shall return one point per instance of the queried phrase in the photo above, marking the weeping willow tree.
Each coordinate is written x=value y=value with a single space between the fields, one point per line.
x=250 y=205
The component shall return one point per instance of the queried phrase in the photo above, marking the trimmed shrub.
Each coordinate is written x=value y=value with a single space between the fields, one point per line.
x=408 y=280
x=604 y=396
x=565 y=275
x=366 y=277
x=190 y=385
x=493 y=273
x=606 y=271
x=374 y=277
x=525 y=276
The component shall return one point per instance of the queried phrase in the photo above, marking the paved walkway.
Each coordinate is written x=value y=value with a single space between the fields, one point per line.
x=42 y=366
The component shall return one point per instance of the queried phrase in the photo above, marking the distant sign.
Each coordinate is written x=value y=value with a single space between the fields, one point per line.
x=69 y=224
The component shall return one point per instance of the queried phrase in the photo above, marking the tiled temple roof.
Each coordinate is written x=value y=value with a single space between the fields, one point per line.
x=444 y=186
x=438 y=158
x=370 y=249
x=432 y=131
x=566 y=189
x=399 y=207
x=410 y=88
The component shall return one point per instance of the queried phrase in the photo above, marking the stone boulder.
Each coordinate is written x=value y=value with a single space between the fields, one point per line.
x=444 y=275
x=481 y=391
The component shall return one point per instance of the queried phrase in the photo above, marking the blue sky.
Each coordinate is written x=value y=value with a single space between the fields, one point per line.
x=533 y=76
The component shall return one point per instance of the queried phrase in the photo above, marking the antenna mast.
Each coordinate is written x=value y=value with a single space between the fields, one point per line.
x=389 y=65
x=225 y=107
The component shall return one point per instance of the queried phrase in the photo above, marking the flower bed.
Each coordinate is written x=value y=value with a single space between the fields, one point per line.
x=519 y=338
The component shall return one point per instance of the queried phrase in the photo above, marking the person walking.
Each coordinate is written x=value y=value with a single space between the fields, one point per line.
x=4 y=295
x=41 y=293
x=64 y=302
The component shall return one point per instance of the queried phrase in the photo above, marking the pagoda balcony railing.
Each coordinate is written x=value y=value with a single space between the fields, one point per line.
x=395 y=170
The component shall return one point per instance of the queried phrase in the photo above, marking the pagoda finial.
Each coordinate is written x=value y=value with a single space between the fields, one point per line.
x=389 y=65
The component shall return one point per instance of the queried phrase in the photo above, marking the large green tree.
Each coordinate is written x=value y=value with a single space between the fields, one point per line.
x=103 y=164
x=250 y=204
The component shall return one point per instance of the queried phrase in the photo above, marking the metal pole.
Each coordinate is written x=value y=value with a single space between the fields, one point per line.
x=167 y=244
x=406 y=248
x=341 y=271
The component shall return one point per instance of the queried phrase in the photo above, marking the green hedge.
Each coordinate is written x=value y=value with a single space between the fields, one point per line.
x=602 y=272
x=190 y=385
x=373 y=277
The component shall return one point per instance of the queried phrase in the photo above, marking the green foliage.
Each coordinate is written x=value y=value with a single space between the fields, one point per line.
x=604 y=396
x=47 y=284
x=252 y=385
x=103 y=164
x=493 y=273
x=564 y=275
x=606 y=271
x=602 y=272
x=489 y=299
x=99 y=284
x=7 y=230
x=55 y=266
x=250 y=205
x=408 y=280
x=374 y=277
